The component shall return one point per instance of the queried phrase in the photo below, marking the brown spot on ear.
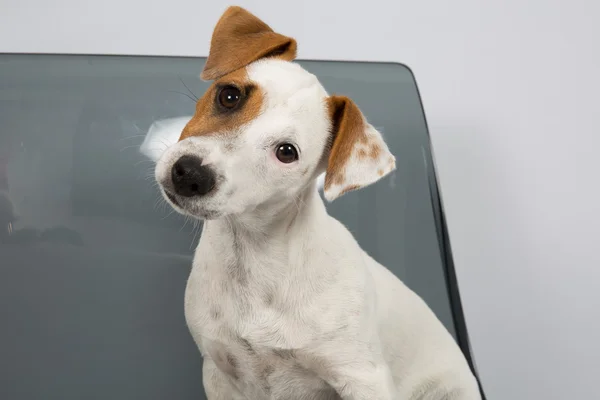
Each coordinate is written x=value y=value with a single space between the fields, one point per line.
x=208 y=119
x=348 y=129
x=380 y=172
x=375 y=151
x=349 y=189
x=240 y=38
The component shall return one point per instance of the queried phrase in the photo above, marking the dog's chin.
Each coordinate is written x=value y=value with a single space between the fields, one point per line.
x=172 y=199
x=189 y=208
x=203 y=213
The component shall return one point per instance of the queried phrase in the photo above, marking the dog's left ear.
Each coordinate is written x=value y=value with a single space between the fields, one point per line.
x=239 y=39
x=358 y=155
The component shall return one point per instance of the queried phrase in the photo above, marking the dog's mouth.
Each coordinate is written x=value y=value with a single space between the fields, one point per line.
x=173 y=198
x=199 y=213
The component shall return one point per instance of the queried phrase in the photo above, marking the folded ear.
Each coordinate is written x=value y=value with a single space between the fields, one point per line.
x=358 y=155
x=239 y=39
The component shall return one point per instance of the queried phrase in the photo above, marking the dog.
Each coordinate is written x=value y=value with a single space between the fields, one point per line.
x=281 y=300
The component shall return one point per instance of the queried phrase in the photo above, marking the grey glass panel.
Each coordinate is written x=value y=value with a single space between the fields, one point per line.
x=93 y=265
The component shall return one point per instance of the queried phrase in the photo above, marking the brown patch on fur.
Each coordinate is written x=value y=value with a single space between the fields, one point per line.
x=240 y=38
x=380 y=172
x=349 y=189
x=348 y=129
x=362 y=154
x=375 y=151
x=392 y=163
x=209 y=119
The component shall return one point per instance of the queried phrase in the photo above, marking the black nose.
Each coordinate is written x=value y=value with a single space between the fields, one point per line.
x=190 y=178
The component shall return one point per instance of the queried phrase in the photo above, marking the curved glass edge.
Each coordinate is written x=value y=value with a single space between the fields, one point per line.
x=462 y=334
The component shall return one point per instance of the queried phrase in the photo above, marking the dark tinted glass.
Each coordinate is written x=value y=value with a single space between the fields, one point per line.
x=93 y=265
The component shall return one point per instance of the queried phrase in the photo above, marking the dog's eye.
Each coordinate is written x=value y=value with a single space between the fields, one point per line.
x=286 y=153
x=229 y=97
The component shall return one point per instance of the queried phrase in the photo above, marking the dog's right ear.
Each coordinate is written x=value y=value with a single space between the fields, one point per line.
x=239 y=39
x=358 y=155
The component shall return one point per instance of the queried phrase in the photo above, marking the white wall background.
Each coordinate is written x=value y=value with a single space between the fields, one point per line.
x=511 y=93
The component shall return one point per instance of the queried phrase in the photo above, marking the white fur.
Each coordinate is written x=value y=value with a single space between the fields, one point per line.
x=282 y=301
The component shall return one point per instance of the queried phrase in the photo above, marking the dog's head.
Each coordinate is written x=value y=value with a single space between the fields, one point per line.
x=265 y=130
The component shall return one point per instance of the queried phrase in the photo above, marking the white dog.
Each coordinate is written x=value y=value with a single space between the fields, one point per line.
x=281 y=301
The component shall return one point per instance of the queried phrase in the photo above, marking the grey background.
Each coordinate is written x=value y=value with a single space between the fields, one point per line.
x=92 y=276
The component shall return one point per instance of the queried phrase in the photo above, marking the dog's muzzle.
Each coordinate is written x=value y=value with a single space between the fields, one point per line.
x=190 y=178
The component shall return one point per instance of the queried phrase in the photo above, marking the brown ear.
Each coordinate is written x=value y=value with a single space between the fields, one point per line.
x=239 y=39
x=358 y=156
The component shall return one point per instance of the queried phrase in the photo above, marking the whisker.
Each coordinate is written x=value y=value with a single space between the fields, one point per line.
x=159 y=200
x=188 y=89
x=141 y=161
x=150 y=148
x=129 y=147
x=169 y=214
x=184 y=94
x=131 y=137
x=165 y=144
x=137 y=128
x=185 y=223
x=196 y=231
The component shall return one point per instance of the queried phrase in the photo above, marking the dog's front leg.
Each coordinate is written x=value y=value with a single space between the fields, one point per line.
x=354 y=374
x=216 y=384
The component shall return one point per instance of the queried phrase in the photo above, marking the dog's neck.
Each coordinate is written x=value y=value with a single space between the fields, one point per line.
x=270 y=224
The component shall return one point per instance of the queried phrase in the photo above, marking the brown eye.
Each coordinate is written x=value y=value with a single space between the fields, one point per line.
x=286 y=153
x=229 y=97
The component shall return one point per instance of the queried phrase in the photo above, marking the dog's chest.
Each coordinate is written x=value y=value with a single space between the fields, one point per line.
x=259 y=302
x=219 y=310
x=266 y=373
x=252 y=335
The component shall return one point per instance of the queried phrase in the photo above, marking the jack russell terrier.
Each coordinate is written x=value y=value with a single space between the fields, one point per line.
x=281 y=300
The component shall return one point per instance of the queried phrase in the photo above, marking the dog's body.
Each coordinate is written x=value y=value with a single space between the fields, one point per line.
x=282 y=301
x=279 y=307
